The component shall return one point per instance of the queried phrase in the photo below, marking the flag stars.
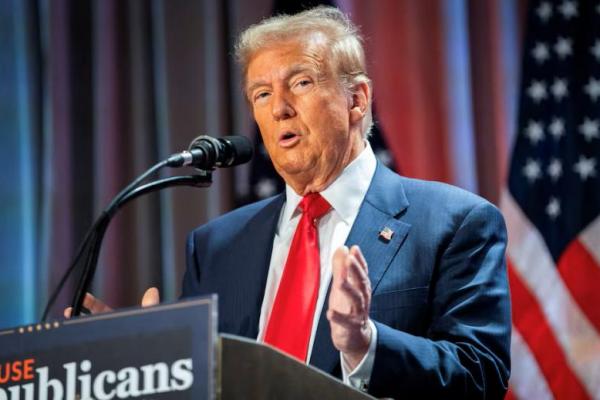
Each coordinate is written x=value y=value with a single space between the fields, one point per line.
x=559 y=89
x=589 y=129
x=568 y=9
x=557 y=128
x=592 y=88
x=535 y=132
x=532 y=170
x=563 y=47
x=595 y=50
x=553 y=208
x=585 y=167
x=544 y=11
x=555 y=169
x=537 y=91
x=540 y=52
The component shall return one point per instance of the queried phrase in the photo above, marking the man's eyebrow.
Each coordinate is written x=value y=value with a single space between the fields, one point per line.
x=293 y=70
x=299 y=68
x=254 y=85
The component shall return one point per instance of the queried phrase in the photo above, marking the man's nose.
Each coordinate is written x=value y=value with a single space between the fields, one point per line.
x=281 y=107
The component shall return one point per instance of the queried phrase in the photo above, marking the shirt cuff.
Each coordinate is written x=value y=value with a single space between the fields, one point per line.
x=361 y=375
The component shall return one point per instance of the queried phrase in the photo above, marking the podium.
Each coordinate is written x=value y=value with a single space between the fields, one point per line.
x=249 y=370
x=169 y=351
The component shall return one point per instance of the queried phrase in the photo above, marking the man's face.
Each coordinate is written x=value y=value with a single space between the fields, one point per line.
x=304 y=115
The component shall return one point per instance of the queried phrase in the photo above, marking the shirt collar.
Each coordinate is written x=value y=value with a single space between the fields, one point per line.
x=346 y=193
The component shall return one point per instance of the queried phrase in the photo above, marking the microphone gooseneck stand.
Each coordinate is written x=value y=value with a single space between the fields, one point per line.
x=86 y=258
x=205 y=154
x=91 y=263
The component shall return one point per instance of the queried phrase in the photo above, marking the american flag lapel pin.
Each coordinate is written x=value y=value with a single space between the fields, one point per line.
x=386 y=234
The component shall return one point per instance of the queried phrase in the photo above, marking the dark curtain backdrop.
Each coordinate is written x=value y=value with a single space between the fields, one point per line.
x=94 y=92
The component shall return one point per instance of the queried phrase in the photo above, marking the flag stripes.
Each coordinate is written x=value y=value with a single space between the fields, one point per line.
x=526 y=371
x=557 y=331
x=590 y=238
x=581 y=275
x=529 y=319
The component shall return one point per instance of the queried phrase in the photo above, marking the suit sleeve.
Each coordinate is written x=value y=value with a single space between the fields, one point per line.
x=191 y=278
x=465 y=352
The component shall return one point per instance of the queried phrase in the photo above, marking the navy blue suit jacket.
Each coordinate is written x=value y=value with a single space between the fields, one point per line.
x=440 y=297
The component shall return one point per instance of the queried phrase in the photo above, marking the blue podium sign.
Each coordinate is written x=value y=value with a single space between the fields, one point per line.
x=162 y=352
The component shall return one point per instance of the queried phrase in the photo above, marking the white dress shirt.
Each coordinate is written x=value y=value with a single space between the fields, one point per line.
x=345 y=195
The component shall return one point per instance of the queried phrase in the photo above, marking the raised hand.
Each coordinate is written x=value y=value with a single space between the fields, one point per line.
x=349 y=303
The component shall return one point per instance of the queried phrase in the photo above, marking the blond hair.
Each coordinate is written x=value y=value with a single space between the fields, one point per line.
x=343 y=39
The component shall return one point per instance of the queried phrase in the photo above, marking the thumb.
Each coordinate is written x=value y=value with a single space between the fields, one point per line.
x=151 y=297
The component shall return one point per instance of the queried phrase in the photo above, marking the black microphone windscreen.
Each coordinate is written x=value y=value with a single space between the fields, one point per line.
x=241 y=147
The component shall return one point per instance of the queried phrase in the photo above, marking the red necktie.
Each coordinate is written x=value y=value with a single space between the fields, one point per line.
x=290 y=323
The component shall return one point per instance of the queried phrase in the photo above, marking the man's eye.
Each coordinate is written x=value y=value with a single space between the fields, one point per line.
x=261 y=95
x=302 y=85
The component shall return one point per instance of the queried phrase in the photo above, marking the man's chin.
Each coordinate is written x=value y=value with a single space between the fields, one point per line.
x=296 y=174
x=296 y=169
x=305 y=181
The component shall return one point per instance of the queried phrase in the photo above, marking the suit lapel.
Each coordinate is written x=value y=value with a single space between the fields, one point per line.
x=384 y=202
x=260 y=231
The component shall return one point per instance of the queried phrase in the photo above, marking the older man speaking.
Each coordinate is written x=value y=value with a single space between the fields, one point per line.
x=398 y=286
x=419 y=304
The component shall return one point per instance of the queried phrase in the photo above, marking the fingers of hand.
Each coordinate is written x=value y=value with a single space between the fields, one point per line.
x=342 y=257
x=355 y=251
x=151 y=297
x=351 y=288
x=91 y=305
x=358 y=278
x=354 y=297
x=338 y=269
x=350 y=322
x=95 y=305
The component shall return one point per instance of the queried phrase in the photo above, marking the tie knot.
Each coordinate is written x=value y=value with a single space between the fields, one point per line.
x=314 y=206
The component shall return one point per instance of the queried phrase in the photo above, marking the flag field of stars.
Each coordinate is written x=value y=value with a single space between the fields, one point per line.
x=554 y=170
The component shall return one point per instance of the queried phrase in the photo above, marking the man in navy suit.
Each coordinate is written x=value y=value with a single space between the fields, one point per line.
x=412 y=296
x=419 y=304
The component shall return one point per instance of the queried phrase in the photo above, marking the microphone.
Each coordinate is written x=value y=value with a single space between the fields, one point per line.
x=208 y=153
x=205 y=153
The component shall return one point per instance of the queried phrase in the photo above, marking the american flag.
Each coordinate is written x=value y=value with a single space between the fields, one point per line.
x=552 y=206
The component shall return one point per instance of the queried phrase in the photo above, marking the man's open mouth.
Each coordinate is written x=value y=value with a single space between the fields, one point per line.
x=288 y=139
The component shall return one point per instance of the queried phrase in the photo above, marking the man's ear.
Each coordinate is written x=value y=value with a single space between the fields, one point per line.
x=359 y=102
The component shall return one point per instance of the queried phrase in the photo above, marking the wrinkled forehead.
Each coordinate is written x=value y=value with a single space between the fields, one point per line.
x=314 y=44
